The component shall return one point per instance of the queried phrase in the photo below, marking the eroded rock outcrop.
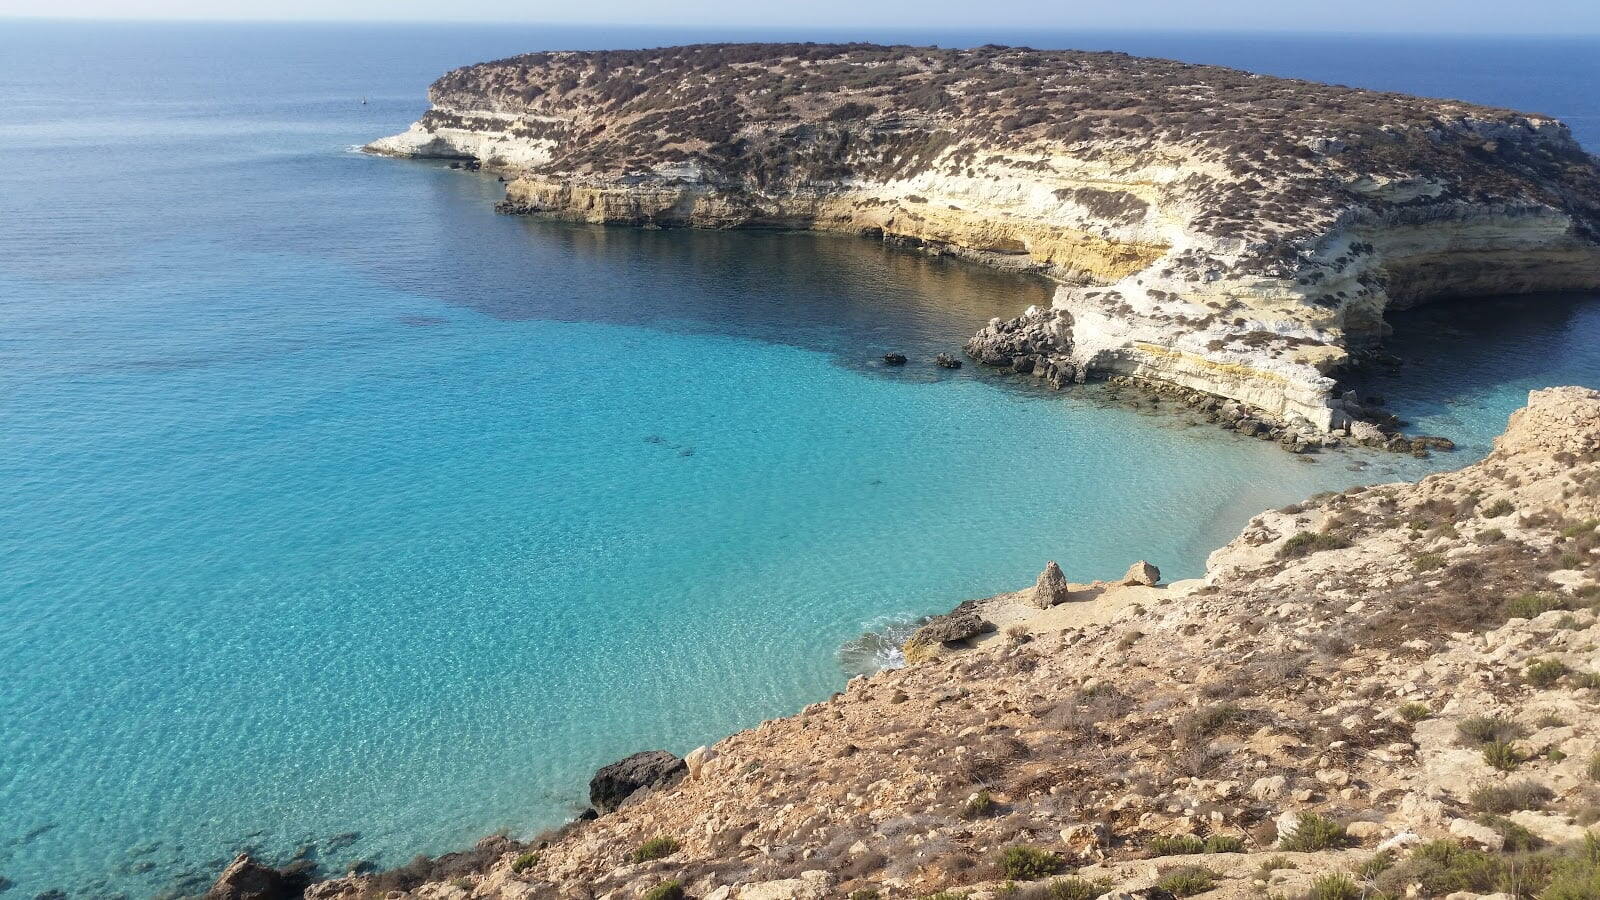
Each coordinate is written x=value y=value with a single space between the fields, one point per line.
x=1235 y=234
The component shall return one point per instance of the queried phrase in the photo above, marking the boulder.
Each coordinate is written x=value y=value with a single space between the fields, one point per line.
x=1367 y=433
x=1270 y=787
x=1051 y=587
x=813 y=885
x=246 y=879
x=1142 y=572
x=957 y=625
x=894 y=359
x=946 y=361
x=1483 y=835
x=640 y=773
x=697 y=759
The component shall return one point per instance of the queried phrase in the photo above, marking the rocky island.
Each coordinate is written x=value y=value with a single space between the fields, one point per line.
x=1387 y=692
x=1234 y=235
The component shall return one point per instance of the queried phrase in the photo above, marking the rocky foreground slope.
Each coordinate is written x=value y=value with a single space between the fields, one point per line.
x=1388 y=691
x=1235 y=234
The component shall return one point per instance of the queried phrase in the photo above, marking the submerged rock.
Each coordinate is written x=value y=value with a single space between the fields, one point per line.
x=946 y=361
x=894 y=359
x=246 y=879
x=616 y=783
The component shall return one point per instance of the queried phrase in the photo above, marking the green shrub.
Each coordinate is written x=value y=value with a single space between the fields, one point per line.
x=1491 y=535
x=666 y=890
x=1587 y=680
x=1415 y=712
x=1274 y=863
x=1502 y=755
x=1029 y=863
x=980 y=806
x=1428 y=562
x=1375 y=865
x=1188 y=881
x=864 y=894
x=1511 y=797
x=1443 y=867
x=1308 y=542
x=1074 y=888
x=1577 y=875
x=947 y=895
x=1334 y=886
x=1315 y=833
x=1532 y=606
x=525 y=862
x=1497 y=509
x=655 y=848
x=1579 y=528
x=1166 y=845
x=1224 y=843
x=1593 y=770
x=1486 y=729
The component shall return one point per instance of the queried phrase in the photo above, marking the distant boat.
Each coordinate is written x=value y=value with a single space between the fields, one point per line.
x=363 y=101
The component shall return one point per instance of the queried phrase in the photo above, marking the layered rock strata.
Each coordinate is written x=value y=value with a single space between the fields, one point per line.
x=1235 y=234
x=1389 y=691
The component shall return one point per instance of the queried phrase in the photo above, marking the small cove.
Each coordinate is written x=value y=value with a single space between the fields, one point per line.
x=340 y=513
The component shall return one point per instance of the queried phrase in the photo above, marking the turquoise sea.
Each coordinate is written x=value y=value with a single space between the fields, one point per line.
x=342 y=517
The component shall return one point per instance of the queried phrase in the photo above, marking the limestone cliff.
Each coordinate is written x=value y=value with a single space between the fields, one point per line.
x=1387 y=692
x=1232 y=233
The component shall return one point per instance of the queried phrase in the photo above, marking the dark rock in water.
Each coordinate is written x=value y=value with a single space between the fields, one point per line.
x=946 y=361
x=341 y=840
x=894 y=359
x=957 y=625
x=588 y=815
x=651 y=770
x=246 y=879
x=52 y=894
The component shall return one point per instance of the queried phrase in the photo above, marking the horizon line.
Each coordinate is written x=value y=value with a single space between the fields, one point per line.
x=678 y=27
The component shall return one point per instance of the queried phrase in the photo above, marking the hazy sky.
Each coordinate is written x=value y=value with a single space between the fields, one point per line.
x=1476 y=16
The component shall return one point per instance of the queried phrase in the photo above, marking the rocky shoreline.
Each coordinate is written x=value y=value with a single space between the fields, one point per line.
x=1387 y=691
x=1235 y=235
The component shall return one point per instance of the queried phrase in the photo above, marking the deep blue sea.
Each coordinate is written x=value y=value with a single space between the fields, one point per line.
x=341 y=516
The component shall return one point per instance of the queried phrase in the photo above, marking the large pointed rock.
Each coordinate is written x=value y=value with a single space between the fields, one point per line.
x=1051 y=588
x=1142 y=572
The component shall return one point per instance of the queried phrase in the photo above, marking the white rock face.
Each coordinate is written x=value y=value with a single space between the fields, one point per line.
x=1215 y=244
